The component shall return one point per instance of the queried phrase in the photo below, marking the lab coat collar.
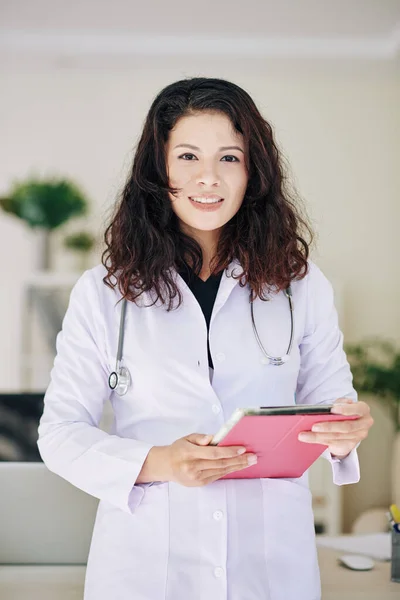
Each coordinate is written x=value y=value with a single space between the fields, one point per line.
x=227 y=284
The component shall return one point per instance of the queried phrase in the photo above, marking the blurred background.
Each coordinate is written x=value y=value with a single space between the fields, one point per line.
x=77 y=80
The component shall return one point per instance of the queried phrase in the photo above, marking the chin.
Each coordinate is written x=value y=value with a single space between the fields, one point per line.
x=202 y=226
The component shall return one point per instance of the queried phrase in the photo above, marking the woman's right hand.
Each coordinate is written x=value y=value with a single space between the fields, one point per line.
x=191 y=462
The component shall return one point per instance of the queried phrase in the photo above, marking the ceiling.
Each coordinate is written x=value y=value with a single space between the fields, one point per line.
x=349 y=28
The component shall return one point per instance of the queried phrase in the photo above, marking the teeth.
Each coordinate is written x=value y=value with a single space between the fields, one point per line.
x=205 y=200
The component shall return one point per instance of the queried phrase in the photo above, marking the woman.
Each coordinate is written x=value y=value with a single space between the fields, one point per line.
x=203 y=221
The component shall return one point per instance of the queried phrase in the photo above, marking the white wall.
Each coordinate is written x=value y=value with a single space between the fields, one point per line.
x=339 y=129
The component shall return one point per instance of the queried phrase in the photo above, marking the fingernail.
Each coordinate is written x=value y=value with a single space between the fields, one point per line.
x=241 y=450
x=252 y=460
x=302 y=437
x=317 y=428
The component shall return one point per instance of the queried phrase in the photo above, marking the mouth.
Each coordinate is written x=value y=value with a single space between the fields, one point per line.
x=206 y=203
x=206 y=199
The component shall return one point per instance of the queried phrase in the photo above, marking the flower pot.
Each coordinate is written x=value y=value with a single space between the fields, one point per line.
x=43 y=259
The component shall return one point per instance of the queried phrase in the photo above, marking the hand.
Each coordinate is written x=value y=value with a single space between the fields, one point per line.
x=341 y=437
x=191 y=462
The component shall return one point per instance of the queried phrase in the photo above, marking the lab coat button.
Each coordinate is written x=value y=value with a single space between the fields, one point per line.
x=264 y=360
x=218 y=515
x=216 y=409
x=218 y=571
x=220 y=356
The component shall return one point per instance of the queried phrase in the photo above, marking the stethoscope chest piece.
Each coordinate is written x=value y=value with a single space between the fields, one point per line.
x=113 y=380
x=279 y=361
x=120 y=382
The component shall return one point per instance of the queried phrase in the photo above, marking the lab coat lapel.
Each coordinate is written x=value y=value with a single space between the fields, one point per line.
x=228 y=283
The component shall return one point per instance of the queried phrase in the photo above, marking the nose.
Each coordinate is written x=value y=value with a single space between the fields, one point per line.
x=208 y=176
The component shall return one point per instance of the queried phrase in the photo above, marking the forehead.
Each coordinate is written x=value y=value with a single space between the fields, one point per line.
x=205 y=128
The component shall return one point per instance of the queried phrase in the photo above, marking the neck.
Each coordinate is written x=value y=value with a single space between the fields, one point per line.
x=208 y=241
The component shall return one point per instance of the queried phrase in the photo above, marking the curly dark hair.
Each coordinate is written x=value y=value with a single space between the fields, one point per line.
x=144 y=242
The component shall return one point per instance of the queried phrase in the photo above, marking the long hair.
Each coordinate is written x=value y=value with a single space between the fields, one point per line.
x=144 y=243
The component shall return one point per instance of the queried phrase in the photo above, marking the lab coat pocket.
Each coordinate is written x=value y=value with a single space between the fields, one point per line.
x=129 y=552
x=289 y=540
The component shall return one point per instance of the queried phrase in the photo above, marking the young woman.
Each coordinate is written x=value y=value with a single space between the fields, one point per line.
x=203 y=225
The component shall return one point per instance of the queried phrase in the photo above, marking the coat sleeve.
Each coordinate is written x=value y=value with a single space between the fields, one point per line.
x=325 y=374
x=70 y=441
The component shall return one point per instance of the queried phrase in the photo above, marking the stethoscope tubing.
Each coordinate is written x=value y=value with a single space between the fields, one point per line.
x=276 y=360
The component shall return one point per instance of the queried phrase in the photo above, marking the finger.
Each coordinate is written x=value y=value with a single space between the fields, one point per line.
x=213 y=452
x=326 y=438
x=218 y=473
x=354 y=408
x=200 y=439
x=219 y=452
x=224 y=463
x=344 y=401
x=339 y=426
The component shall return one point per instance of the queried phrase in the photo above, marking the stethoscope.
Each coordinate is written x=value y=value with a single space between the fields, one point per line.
x=120 y=379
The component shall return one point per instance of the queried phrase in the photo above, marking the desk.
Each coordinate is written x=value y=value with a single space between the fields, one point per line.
x=66 y=582
x=341 y=583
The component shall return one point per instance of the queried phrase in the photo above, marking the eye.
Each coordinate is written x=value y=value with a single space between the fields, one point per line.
x=235 y=158
x=187 y=154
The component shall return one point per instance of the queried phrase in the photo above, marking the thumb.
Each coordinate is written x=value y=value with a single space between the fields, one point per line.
x=200 y=439
x=343 y=401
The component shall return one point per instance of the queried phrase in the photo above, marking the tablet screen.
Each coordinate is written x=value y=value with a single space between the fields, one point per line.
x=314 y=409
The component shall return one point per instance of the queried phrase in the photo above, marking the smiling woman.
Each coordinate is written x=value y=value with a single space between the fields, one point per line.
x=203 y=216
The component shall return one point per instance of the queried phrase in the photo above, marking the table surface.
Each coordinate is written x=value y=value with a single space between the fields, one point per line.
x=339 y=582
x=66 y=582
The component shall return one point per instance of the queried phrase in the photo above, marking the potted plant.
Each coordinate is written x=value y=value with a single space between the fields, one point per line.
x=81 y=243
x=45 y=205
x=375 y=364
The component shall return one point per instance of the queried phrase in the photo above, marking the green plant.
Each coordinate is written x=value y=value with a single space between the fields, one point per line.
x=46 y=204
x=375 y=364
x=80 y=242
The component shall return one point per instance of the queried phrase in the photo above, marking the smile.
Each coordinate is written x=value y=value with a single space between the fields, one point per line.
x=206 y=203
x=206 y=199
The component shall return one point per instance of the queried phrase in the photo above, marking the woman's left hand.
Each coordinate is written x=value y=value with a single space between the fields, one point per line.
x=341 y=437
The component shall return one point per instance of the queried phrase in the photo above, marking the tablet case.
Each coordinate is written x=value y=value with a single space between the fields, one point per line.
x=273 y=439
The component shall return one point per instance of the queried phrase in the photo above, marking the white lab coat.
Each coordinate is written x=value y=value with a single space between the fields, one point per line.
x=233 y=539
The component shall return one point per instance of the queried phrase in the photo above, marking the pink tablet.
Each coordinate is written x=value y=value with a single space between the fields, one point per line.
x=272 y=434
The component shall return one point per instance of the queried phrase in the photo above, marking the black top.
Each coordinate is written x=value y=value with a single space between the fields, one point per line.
x=205 y=293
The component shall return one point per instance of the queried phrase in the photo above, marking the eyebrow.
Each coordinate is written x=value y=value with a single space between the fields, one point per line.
x=222 y=149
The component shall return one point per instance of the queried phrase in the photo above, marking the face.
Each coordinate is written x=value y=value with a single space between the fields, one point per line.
x=205 y=160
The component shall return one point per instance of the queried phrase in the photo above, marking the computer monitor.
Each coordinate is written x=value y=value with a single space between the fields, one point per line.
x=20 y=413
